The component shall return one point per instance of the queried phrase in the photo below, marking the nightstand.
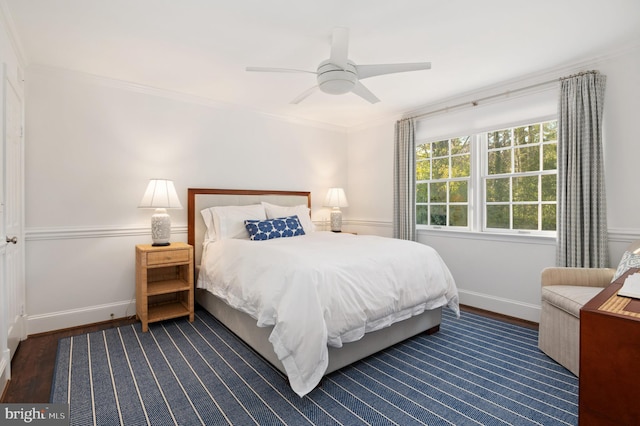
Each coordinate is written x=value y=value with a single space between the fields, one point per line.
x=164 y=282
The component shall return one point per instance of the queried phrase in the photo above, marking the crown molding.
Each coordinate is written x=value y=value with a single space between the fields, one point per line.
x=537 y=79
x=87 y=78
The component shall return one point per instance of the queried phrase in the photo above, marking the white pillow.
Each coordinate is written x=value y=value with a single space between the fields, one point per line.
x=207 y=216
x=302 y=211
x=228 y=221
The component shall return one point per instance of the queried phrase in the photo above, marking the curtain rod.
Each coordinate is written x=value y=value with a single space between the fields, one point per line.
x=507 y=93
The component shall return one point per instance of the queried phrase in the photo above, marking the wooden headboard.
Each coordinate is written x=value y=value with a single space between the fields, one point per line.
x=202 y=198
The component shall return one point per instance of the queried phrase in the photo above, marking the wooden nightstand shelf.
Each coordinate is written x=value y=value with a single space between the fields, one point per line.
x=164 y=282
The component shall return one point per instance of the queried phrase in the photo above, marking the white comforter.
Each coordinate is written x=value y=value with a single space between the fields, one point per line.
x=325 y=288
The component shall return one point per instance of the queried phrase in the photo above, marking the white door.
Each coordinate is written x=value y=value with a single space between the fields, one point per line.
x=13 y=291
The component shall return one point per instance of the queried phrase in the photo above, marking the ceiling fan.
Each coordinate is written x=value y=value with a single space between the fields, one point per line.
x=338 y=75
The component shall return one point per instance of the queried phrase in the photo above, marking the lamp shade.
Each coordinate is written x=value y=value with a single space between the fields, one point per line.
x=336 y=198
x=160 y=193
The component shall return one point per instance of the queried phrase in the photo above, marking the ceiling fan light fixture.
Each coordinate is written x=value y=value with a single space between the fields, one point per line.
x=338 y=75
x=335 y=80
x=336 y=85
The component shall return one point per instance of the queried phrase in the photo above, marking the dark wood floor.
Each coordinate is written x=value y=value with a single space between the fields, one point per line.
x=33 y=363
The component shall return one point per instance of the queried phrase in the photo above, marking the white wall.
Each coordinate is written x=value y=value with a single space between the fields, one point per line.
x=499 y=273
x=91 y=147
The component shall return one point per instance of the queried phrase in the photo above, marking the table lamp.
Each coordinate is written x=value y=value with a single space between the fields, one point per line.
x=160 y=195
x=336 y=198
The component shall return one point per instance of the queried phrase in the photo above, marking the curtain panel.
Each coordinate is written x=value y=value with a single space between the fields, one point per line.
x=404 y=181
x=581 y=208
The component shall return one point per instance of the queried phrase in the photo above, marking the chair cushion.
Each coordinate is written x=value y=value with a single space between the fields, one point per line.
x=569 y=298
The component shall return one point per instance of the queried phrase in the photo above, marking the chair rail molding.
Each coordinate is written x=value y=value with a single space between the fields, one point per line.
x=65 y=233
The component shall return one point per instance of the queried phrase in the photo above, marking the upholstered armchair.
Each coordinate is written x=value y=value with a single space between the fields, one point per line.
x=564 y=292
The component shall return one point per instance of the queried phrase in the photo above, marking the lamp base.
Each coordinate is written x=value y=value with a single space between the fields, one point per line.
x=160 y=228
x=336 y=220
x=160 y=244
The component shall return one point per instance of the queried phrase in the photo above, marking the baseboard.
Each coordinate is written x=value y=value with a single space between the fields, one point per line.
x=508 y=307
x=75 y=317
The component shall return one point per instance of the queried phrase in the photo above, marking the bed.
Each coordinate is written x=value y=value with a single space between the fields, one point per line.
x=275 y=294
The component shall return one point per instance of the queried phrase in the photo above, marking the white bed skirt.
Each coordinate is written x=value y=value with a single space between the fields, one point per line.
x=245 y=327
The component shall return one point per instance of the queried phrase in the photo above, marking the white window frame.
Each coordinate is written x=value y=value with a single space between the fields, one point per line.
x=476 y=187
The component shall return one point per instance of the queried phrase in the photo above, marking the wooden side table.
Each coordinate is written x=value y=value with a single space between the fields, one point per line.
x=164 y=282
x=609 y=358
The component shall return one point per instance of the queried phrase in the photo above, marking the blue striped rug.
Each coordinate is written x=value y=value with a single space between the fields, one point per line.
x=475 y=370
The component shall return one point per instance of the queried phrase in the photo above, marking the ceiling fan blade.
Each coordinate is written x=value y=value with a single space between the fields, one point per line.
x=340 y=47
x=304 y=95
x=365 y=93
x=267 y=69
x=366 y=71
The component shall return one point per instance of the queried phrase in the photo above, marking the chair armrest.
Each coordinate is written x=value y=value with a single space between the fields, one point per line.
x=587 y=277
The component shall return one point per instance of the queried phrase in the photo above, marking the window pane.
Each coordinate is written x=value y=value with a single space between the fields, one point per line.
x=458 y=215
x=498 y=190
x=550 y=131
x=498 y=217
x=548 y=217
x=441 y=148
x=527 y=134
x=499 y=162
x=438 y=192
x=499 y=139
x=423 y=151
x=525 y=188
x=423 y=170
x=525 y=216
x=458 y=191
x=526 y=159
x=422 y=215
x=460 y=145
x=439 y=215
x=460 y=166
x=440 y=168
x=549 y=185
x=550 y=156
x=422 y=192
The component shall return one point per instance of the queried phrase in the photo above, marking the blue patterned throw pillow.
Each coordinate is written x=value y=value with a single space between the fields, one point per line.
x=274 y=228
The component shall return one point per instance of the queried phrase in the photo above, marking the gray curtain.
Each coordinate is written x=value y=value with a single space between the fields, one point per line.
x=404 y=181
x=581 y=214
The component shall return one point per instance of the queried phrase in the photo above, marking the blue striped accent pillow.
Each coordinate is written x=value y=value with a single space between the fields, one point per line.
x=274 y=228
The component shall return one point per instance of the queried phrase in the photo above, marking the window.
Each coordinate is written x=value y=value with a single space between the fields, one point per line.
x=442 y=188
x=513 y=181
x=520 y=183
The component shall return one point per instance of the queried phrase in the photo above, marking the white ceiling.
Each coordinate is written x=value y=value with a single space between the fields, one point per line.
x=201 y=47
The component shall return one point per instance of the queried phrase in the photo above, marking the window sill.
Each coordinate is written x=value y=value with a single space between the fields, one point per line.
x=489 y=236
